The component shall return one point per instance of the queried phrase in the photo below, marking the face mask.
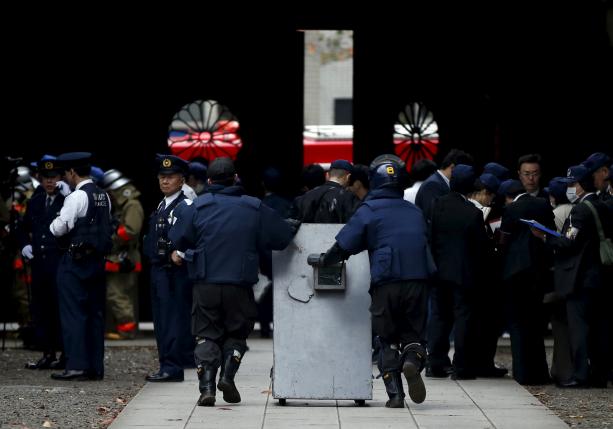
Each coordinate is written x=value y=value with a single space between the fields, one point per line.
x=571 y=194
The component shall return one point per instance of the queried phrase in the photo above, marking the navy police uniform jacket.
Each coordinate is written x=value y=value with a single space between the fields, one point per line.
x=577 y=252
x=36 y=222
x=159 y=226
x=394 y=232
x=94 y=230
x=223 y=232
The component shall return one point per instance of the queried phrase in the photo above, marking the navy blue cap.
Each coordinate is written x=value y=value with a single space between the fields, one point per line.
x=198 y=169
x=577 y=173
x=46 y=157
x=595 y=161
x=342 y=164
x=462 y=178
x=48 y=166
x=510 y=187
x=74 y=160
x=500 y=171
x=557 y=189
x=490 y=181
x=170 y=164
x=97 y=174
x=221 y=168
x=610 y=172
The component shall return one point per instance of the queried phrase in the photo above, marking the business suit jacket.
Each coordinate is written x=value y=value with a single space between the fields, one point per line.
x=432 y=188
x=459 y=240
x=522 y=250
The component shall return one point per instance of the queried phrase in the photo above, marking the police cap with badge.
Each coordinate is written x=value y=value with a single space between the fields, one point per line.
x=48 y=166
x=170 y=164
x=577 y=174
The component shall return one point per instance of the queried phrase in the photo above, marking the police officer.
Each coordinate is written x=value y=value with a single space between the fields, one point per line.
x=171 y=291
x=598 y=166
x=394 y=231
x=221 y=234
x=40 y=247
x=579 y=279
x=123 y=263
x=330 y=202
x=84 y=224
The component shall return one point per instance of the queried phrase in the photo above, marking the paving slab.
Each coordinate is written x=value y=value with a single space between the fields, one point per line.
x=482 y=403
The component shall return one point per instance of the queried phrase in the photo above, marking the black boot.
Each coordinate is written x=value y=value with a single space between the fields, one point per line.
x=206 y=375
x=395 y=391
x=413 y=358
x=226 y=380
x=43 y=363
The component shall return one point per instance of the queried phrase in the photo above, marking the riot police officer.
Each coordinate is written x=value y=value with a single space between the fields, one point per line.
x=394 y=232
x=222 y=234
x=41 y=248
x=84 y=224
x=171 y=292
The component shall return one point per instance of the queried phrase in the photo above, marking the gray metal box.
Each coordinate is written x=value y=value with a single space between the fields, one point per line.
x=322 y=338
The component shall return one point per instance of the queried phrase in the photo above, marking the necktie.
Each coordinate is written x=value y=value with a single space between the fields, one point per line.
x=48 y=203
x=162 y=206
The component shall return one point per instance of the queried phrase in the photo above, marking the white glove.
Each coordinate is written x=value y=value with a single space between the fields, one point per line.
x=27 y=251
x=63 y=187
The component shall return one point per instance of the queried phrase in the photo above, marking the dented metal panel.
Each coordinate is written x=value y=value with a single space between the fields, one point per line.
x=322 y=338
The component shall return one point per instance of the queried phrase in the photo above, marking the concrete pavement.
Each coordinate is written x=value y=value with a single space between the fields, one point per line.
x=483 y=403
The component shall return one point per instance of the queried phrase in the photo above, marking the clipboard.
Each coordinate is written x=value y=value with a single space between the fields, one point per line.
x=540 y=227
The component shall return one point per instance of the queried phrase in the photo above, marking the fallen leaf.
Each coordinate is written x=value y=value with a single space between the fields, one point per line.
x=576 y=417
x=102 y=410
x=266 y=392
x=121 y=401
x=224 y=408
x=47 y=424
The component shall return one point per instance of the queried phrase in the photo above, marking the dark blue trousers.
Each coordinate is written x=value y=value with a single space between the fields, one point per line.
x=44 y=304
x=171 y=302
x=81 y=294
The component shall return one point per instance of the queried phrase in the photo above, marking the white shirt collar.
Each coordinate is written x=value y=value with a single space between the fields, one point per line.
x=83 y=183
x=535 y=193
x=169 y=199
x=444 y=177
x=476 y=203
